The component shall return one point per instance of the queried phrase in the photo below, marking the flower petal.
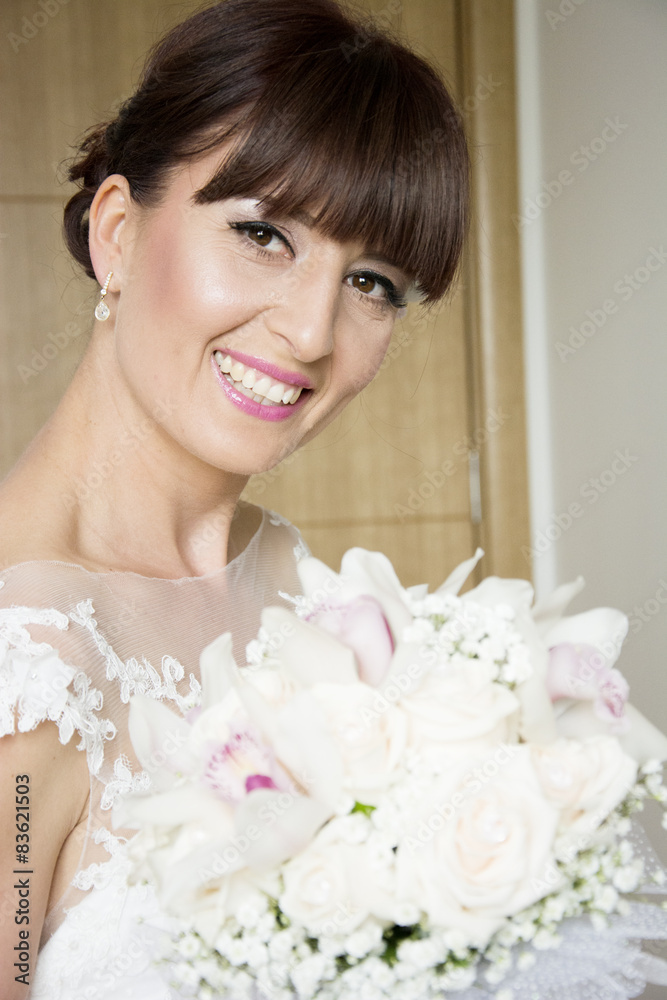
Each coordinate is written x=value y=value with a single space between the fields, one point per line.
x=372 y=573
x=548 y=612
x=310 y=654
x=218 y=670
x=158 y=736
x=286 y=823
x=604 y=628
x=458 y=576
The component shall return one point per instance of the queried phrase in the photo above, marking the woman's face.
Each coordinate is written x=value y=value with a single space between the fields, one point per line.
x=252 y=332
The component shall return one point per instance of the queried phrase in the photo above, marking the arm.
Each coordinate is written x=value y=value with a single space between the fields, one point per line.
x=58 y=792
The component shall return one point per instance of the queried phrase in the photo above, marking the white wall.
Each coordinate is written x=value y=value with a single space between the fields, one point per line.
x=581 y=66
x=604 y=391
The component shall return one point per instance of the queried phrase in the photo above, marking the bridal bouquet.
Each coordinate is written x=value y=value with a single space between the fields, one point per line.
x=405 y=794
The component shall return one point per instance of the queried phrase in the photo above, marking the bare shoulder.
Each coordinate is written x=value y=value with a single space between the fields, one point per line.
x=43 y=796
x=28 y=528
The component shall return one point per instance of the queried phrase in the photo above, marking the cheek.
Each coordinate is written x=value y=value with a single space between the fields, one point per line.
x=363 y=365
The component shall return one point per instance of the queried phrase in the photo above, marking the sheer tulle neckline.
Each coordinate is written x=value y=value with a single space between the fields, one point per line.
x=118 y=574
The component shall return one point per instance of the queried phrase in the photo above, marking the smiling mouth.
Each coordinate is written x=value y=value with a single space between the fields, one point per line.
x=257 y=385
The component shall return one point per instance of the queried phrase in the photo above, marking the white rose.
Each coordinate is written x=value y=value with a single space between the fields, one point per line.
x=482 y=848
x=586 y=779
x=459 y=704
x=370 y=735
x=330 y=889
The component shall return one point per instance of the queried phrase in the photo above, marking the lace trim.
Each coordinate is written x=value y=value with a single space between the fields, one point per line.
x=138 y=677
x=36 y=685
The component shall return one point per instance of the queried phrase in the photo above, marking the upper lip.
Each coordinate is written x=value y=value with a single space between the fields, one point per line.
x=280 y=374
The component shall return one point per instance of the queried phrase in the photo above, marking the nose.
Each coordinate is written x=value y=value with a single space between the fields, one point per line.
x=303 y=311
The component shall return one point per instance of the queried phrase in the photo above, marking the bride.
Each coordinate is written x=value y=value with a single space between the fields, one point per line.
x=256 y=216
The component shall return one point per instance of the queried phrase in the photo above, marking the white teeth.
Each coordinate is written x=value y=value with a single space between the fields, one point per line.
x=255 y=385
x=276 y=392
x=263 y=385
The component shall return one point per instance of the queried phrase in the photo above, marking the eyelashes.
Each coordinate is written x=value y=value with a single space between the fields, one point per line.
x=392 y=294
x=262 y=234
x=256 y=232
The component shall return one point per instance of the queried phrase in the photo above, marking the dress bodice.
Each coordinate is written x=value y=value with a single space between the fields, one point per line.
x=74 y=647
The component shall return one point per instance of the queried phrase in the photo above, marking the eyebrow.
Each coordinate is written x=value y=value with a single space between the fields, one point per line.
x=305 y=218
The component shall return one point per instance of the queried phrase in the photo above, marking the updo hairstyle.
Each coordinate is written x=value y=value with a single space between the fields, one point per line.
x=327 y=114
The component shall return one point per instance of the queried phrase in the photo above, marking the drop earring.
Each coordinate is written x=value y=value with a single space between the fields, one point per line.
x=102 y=311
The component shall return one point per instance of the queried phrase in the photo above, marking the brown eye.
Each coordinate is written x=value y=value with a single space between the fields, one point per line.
x=262 y=236
x=363 y=283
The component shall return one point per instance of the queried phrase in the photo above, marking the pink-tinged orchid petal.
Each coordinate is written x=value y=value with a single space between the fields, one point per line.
x=361 y=625
x=580 y=672
x=298 y=735
x=372 y=574
x=309 y=654
x=254 y=781
x=613 y=697
x=234 y=762
x=604 y=628
x=573 y=671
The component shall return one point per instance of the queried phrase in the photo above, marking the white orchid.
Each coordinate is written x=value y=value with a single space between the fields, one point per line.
x=222 y=799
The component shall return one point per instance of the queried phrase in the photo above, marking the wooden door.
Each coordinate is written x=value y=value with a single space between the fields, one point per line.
x=430 y=460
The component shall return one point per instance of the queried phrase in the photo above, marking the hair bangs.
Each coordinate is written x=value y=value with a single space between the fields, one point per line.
x=371 y=147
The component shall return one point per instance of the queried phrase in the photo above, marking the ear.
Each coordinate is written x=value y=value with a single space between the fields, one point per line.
x=108 y=229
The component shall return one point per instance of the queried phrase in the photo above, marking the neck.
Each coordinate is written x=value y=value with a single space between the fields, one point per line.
x=115 y=491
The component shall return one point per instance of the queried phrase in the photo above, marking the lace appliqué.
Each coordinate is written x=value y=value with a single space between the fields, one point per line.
x=100 y=875
x=300 y=550
x=138 y=677
x=277 y=520
x=36 y=685
x=124 y=782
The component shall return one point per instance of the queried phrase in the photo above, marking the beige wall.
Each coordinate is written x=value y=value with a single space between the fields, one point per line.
x=450 y=382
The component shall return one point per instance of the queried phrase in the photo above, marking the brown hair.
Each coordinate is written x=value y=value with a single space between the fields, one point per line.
x=328 y=113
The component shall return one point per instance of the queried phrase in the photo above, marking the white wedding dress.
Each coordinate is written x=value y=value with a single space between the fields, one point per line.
x=74 y=647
